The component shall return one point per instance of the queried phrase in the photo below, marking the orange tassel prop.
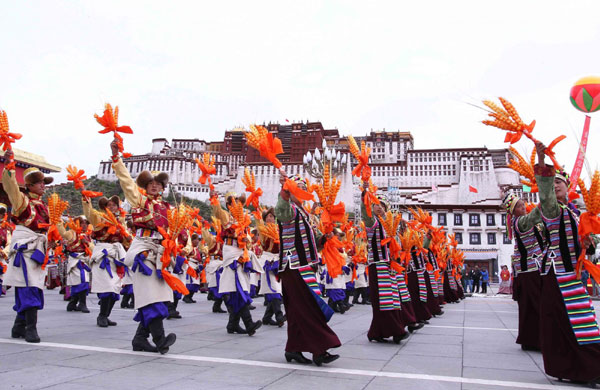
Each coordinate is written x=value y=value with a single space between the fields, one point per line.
x=370 y=198
x=362 y=170
x=508 y=119
x=524 y=168
x=327 y=192
x=173 y=282
x=332 y=257
x=255 y=193
x=242 y=222
x=7 y=138
x=110 y=121
x=269 y=230
x=77 y=176
x=56 y=208
x=298 y=192
x=421 y=219
x=390 y=224
x=207 y=167
x=114 y=225
x=268 y=146
x=589 y=223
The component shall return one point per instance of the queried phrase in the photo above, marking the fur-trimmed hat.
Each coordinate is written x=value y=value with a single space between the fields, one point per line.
x=561 y=174
x=270 y=210
x=33 y=175
x=384 y=201
x=103 y=202
x=145 y=177
x=510 y=201
x=195 y=236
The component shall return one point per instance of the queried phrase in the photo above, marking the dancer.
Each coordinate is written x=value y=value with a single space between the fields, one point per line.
x=307 y=314
x=149 y=211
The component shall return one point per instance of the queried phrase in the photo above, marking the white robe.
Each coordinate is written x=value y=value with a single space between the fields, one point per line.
x=362 y=280
x=74 y=273
x=194 y=264
x=227 y=282
x=101 y=280
x=35 y=275
x=148 y=289
x=269 y=277
x=211 y=271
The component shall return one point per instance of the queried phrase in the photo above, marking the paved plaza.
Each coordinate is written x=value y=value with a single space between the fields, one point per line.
x=472 y=346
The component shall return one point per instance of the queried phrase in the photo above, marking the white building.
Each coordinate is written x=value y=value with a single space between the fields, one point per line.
x=461 y=188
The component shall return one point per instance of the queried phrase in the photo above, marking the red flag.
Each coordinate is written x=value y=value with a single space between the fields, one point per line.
x=581 y=153
x=473 y=189
x=287 y=121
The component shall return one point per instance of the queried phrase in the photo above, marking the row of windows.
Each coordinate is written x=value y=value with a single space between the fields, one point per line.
x=474 y=219
x=475 y=238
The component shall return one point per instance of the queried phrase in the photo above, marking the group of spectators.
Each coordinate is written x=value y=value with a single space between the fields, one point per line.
x=476 y=279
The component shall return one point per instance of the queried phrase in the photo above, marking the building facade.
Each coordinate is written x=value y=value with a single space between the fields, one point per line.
x=462 y=187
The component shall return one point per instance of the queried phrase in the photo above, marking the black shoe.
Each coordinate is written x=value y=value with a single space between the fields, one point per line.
x=124 y=304
x=102 y=321
x=397 y=339
x=18 y=329
x=297 y=356
x=31 y=334
x=187 y=299
x=341 y=307
x=378 y=339
x=324 y=358
x=529 y=348
x=253 y=327
x=251 y=307
x=439 y=313
x=161 y=341
x=110 y=323
x=415 y=326
x=140 y=340
x=173 y=314
x=236 y=329
x=268 y=321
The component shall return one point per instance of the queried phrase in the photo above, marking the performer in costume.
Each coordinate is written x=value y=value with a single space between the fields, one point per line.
x=385 y=301
x=415 y=278
x=149 y=211
x=108 y=254
x=195 y=262
x=361 y=284
x=335 y=287
x=569 y=333
x=214 y=269
x=179 y=269
x=27 y=248
x=307 y=313
x=528 y=231
x=431 y=266
x=6 y=229
x=235 y=279
x=270 y=285
x=128 y=299
x=78 y=250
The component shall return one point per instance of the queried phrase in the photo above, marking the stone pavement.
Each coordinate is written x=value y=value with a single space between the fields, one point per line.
x=472 y=346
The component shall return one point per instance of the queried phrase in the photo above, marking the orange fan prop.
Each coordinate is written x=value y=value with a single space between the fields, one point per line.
x=7 y=138
x=589 y=223
x=255 y=193
x=242 y=222
x=110 y=121
x=207 y=167
x=370 y=198
x=362 y=170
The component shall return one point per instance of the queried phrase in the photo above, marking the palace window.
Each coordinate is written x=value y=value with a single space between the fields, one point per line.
x=442 y=219
x=457 y=219
x=458 y=237
x=491 y=238
x=491 y=220
x=474 y=220
x=475 y=238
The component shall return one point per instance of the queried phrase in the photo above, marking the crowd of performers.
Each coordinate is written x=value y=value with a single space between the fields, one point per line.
x=297 y=254
x=155 y=260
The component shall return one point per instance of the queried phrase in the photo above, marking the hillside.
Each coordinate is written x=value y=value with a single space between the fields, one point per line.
x=69 y=193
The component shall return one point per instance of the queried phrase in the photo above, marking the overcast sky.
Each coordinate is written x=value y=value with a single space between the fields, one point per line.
x=195 y=69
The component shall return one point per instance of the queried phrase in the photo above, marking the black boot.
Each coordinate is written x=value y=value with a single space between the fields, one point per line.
x=210 y=296
x=279 y=317
x=140 y=340
x=82 y=306
x=250 y=325
x=72 y=305
x=132 y=301
x=333 y=305
x=173 y=313
x=347 y=301
x=340 y=306
x=125 y=301
x=102 y=320
x=267 y=320
x=192 y=297
x=233 y=325
x=18 y=329
x=188 y=298
x=217 y=306
x=111 y=304
x=31 y=334
x=161 y=341
x=355 y=296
